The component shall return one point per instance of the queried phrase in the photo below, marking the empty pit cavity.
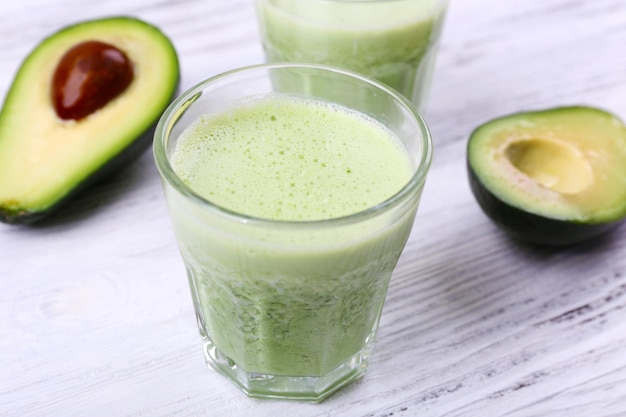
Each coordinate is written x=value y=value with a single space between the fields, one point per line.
x=558 y=166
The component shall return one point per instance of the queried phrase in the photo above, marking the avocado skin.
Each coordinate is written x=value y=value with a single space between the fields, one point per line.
x=117 y=162
x=529 y=227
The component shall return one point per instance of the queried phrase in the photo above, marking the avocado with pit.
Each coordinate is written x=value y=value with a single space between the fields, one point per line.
x=82 y=105
x=551 y=177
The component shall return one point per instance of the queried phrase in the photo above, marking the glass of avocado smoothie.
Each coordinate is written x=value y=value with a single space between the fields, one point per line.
x=394 y=41
x=291 y=207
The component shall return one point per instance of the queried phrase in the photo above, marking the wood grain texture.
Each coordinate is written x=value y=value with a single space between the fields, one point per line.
x=95 y=313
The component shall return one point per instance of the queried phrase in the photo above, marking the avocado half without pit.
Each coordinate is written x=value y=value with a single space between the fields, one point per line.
x=82 y=105
x=553 y=177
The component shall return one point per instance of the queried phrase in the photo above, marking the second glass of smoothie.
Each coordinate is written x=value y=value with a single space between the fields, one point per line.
x=291 y=209
x=394 y=41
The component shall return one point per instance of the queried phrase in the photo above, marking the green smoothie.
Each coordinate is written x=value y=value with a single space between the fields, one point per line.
x=296 y=298
x=393 y=41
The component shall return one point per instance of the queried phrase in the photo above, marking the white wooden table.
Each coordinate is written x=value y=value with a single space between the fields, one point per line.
x=96 y=317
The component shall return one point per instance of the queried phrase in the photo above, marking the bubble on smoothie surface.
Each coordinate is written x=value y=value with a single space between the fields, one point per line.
x=286 y=158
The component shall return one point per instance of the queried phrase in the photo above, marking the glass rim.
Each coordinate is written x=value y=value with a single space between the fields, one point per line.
x=189 y=96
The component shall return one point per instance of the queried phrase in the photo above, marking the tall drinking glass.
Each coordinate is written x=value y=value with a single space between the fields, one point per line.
x=394 y=41
x=288 y=282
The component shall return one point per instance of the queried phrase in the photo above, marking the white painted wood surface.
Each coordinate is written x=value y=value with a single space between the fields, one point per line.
x=96 y=317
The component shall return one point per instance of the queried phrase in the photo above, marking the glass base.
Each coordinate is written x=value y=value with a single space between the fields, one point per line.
x=303 y=388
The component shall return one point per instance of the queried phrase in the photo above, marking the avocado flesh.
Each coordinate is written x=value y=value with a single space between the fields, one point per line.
x=44 y=159
x=555 y=176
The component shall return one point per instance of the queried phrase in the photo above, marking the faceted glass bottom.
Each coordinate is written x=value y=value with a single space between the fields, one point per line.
x=303 y=388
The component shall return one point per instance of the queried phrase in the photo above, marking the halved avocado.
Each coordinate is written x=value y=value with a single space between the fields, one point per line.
x=553 y=177
x=82 y=105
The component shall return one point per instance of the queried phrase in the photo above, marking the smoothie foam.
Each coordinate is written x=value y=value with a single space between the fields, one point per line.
x=286 y=159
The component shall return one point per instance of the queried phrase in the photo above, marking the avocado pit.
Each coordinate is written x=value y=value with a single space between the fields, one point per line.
x=87 y=77
x=553 y=164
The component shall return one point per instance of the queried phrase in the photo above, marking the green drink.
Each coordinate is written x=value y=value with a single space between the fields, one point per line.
x=290 y=213
x=394 y=41
x=259 y=161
